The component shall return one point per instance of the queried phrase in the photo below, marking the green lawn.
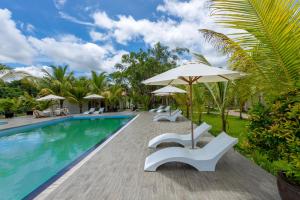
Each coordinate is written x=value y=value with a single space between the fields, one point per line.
x=236 y=128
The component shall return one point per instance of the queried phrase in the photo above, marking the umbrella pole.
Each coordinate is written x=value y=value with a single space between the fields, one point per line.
x=191 y=113
x=169 y=99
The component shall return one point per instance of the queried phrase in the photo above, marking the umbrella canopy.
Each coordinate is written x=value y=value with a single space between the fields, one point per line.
x=162 y=94
x=168 y=89
x=94 y=96
x=192 y=73
x=50 y=97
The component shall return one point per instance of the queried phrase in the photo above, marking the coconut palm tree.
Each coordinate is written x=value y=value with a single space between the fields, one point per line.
x=7 y=74
x=98 y=82
x=79 y=89
x=266 y=43
x=218 y=92
x=113 y=96
x=58 y=82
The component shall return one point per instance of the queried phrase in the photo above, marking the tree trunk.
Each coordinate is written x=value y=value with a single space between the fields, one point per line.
x=208 y=109
x=80 y=108
x=241 y=111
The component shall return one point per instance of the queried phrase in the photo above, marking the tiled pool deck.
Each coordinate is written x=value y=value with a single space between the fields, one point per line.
x=116 y=172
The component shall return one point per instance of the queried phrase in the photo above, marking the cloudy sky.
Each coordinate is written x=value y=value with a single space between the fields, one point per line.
x=94 y=34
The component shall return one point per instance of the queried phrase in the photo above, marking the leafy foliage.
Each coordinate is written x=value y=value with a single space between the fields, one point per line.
x=275 y=130
x=78 y=91
x=7 y=105
x=267 y=39
x=138 y=66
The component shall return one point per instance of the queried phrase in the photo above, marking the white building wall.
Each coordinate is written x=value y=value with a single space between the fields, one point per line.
x=74 y=108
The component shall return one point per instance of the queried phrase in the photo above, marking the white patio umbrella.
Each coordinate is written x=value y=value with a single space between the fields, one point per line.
x=94 y=97
x=193 y=73
x=168 y=91
x=51 y=97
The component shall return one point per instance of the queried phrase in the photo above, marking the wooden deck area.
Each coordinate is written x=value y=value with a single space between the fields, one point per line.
x=116 y=172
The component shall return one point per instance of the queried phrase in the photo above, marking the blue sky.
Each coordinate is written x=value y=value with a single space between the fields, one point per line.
x=94 y=34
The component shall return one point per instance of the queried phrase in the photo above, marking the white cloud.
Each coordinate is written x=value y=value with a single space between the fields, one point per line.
x=102 y=20
x=97 y=36
x=59 y=3
x=14 y=46
x=64 y=49
x=193 y=15
x=30 y=28
x=109 y=63
x=79 y=56
x=187 y=10
x=74 y=19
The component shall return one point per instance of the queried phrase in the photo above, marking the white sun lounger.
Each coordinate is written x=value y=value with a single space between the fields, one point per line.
x=171 y=118
x=100 y=111
x=91 y=111
x=204 y=159
x=165 y=114
x=184 y=140
x=166 y=109
x=155 y=109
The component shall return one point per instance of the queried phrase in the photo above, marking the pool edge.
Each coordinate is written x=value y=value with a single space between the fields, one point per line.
x=60 y=180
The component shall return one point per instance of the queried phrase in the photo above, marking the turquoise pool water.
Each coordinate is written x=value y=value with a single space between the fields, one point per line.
x=29 y=159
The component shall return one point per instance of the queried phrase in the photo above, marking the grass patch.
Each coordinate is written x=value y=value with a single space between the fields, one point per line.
x=236 y=127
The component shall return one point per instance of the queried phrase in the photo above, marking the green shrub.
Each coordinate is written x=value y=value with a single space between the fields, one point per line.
x=7 y=105
x=27 y=103
x=275 y=131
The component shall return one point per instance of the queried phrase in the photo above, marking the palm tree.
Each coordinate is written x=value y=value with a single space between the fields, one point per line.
x=58 y=82
x=7 y=74
x=98 y=82
x=113 y=96
x=218 y=92
x=78 y=91
x=269 y=44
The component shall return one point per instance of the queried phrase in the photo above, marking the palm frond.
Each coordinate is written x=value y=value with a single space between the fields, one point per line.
x=270 y=31
x=201 y=59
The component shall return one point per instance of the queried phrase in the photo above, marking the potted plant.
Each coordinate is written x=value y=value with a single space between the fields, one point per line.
x=288 y=179
x=7 y=106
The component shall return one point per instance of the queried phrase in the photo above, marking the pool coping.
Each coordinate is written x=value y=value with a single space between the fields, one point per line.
x=52 y=183
x=12 y=130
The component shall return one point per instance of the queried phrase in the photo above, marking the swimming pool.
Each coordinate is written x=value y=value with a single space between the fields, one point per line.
x=1 y=122
x=32 y=157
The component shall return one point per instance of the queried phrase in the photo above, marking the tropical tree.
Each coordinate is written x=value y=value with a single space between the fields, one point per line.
x=266 y=43
x=8 y=74
x=58 y=82
x=218 y=92
x=79 y=89
x=98 y=82
x=138 y=66
x=113 y=96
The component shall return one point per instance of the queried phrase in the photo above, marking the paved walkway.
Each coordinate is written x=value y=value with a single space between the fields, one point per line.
x=116 y=172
